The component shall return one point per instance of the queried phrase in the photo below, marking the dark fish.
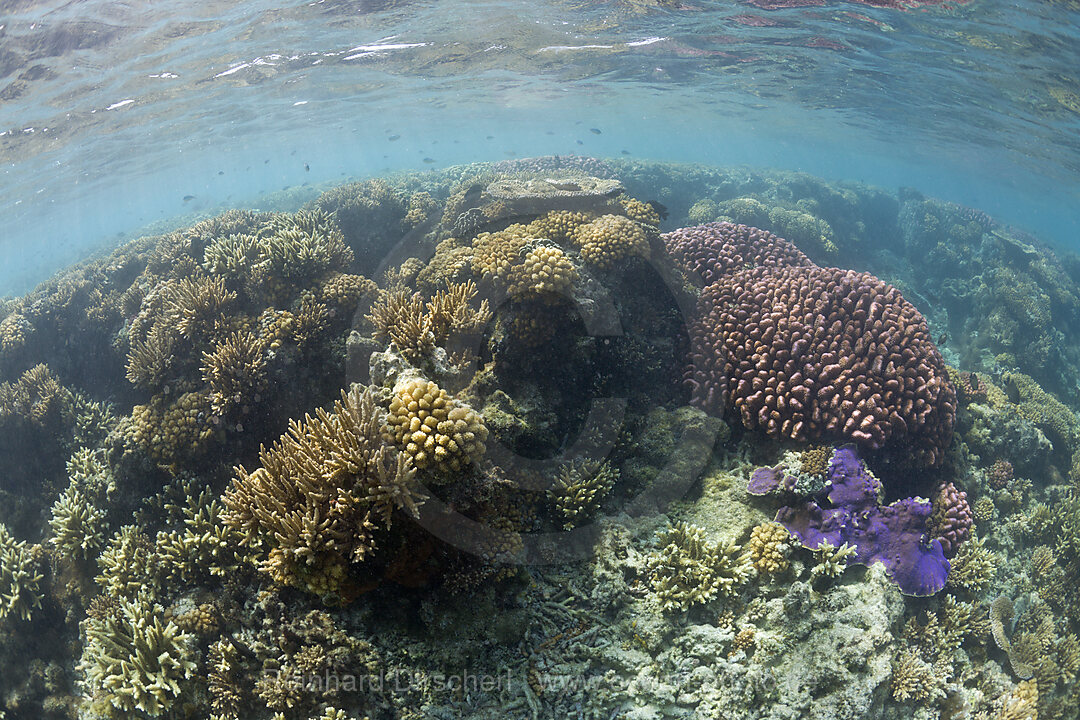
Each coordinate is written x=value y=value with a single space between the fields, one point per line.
x=490 y=137
x=189 y=198
x=429 y=160
x=580 y=142
x=549 y=132
x=594 y=131
x=625 y=152
x=220 y=172
x=266 y=161
x=660 y=209
x=943 y=339
x=307 y=168
x=392 y=138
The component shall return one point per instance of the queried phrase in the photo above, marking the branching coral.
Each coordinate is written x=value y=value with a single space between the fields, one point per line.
x=78 y=528
x=580 y=488
x=204 y=545
x=313 y=504
x=20 y=577
x=915 y=679
x=973 y=567
x=832 y=560
x=134 y=661
x=127 y=563
x=236 y=371
x=195 y=304
x=434 y=431
x=689 y=570
x=416 y=327
x=37 y=397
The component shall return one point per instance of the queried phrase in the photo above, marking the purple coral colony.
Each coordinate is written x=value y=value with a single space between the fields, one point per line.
x=481 y=442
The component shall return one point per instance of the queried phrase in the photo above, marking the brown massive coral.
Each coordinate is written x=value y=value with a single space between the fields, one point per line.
x=805 y=352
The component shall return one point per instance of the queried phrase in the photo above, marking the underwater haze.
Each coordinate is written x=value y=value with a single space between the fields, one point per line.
x=620 y=360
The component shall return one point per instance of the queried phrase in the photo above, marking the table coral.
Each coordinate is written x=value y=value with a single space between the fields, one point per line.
x=690 y=570
x=432 y=429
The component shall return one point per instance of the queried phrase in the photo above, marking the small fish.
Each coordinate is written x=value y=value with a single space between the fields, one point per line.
x=549 y=132
x=189 y=198
x=490 y=137
x=943 y=339
x=266 y=161
x=429 y=160
x=579 y=142
x=661 y=210
x=220 y=172
x=594 y=131
x=392 y=138
x=307 y=168
x=625 y=152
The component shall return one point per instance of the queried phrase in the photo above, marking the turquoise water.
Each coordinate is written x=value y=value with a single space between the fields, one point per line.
x=113 y=114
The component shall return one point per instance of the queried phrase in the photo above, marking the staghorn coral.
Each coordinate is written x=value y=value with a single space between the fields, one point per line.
x=222 y=661
x=689 y=570
x=20 y=577
x=416 y=327
x=1021 y=703
x=579 y=489
x=135 y=661
x=127 y=563
x=36 y=397
x=610 y=238
x=769 y=545
x=78 y=527
x=312 y=507
x=915 y=679
x=203 y=545
x=236 y=371
x=831 y=560
x=973 y=567
x=302 y=247
x=193 y=305
x=433 y=430
x=151 y=359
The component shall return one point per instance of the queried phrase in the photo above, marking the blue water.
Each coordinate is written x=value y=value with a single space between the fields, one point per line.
x=112 y=114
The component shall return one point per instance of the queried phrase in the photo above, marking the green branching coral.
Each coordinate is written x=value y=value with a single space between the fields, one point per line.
x=1046 y=411
x=302 y=246
x=579 y=489
x=973 y=567
x=313 y=505
x=20 y=577
x=78 y=522
x=689 y=570
x=416 y=326
x=831 y=560
x=127 y=563
x=133 y=661
x=203 y=545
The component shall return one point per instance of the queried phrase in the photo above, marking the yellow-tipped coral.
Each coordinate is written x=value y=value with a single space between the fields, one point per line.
x=609 y=239
x=769 y=545
x=545 y=270
x=434 y=431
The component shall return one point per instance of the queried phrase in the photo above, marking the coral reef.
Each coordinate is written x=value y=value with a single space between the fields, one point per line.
x=20 y=577
x=579 y=489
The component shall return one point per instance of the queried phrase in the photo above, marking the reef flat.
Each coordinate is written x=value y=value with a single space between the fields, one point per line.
x=548 y=438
